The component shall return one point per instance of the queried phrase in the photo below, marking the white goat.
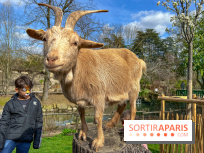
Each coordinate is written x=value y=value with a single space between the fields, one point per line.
x=88 y=76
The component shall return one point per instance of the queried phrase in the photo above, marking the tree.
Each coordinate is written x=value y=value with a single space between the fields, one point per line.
x=114 y=41
x=198 y=53
x=138 y=45
x=148 y=45
x=118 y=35
x=129 y=33
x=8 y=42
x=187 y=23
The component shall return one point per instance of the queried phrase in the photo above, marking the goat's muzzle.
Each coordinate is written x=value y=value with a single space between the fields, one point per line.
x=51 y=60
x=52 y=67
x=51 y=63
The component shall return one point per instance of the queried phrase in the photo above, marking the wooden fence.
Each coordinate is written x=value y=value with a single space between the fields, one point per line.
x=198 y=147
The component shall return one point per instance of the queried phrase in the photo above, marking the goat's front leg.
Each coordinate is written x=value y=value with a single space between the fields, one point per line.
x=84 y=130
x=99 y=141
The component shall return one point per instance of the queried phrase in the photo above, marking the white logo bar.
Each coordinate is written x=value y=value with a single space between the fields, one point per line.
x=158 y=130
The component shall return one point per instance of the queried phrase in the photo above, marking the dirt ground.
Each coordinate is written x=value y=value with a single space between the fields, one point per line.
x=54 y=100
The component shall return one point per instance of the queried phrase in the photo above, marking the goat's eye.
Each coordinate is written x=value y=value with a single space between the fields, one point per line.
x=74 y=44
x=44 y=39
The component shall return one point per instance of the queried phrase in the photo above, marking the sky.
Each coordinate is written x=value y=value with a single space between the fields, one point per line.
x=143 y=13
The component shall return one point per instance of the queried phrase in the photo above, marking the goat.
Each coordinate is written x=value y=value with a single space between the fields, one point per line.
x=88 y=76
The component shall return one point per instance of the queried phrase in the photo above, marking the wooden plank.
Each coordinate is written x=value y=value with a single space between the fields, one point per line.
x=201 y=134
x=181 y=147
x=160 y=114
x=186 y=145
x=172 y=146
x=197 y=134
x=199 y=142
x=177 y=118
x=193 y=148
x=194 y=120
x=197 y=101
x=172 y=116
x=163 y=108
x=202 y=111
x=167 y=145
x=162 y=118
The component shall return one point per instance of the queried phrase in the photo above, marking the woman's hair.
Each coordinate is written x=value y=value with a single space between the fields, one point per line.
x=23 y=81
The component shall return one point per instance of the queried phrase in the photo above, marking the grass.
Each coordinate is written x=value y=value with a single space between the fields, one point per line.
x=56 y=144
x=154 y=148
x=4 y=99
x=63 y=144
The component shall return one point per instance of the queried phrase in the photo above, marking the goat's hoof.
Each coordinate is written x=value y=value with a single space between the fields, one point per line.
x=97 y=143
x=82 y=135
x=108 y=126
x=105 y=128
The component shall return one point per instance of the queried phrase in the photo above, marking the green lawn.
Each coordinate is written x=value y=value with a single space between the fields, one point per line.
x=154 y=148
x=62 y=144
x=4 y=99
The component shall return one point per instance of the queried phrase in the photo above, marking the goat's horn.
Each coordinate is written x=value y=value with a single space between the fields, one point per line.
x=75 y=16
x=58 y=13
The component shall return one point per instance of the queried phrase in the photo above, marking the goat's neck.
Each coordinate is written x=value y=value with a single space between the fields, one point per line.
x=66 y=78
x=69 y=77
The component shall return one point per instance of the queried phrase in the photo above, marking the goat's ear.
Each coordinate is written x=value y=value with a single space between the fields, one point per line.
x=36 y=34
x=90 y=44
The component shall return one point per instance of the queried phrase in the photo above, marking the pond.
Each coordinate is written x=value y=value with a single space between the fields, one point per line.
x=59 y=121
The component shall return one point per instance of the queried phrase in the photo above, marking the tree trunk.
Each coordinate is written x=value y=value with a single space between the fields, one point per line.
x=190 y=83
x=113 y=143
x=7 y=79
x=47 y=73
x=46 y=85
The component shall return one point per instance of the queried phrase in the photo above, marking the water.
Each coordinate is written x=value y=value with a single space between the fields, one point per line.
x=57 y=122
x=54 y=122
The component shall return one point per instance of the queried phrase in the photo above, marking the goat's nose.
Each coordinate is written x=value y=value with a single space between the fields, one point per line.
x=51 y=59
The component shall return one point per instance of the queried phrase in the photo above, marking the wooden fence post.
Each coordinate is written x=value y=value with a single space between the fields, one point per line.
x=194 y=120
x=162 y=118
x=202 y=134
x=143 y=112
x=162 y=109
x=77 y=122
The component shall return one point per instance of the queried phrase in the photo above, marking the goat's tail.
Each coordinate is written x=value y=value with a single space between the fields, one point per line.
x=144 y=66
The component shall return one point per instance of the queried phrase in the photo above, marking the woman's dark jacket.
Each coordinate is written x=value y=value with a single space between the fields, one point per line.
x=22 y=125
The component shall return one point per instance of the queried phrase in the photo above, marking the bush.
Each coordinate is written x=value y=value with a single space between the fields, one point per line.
x=66 y=132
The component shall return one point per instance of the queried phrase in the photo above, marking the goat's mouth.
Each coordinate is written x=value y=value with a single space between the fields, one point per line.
x=53 y=67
